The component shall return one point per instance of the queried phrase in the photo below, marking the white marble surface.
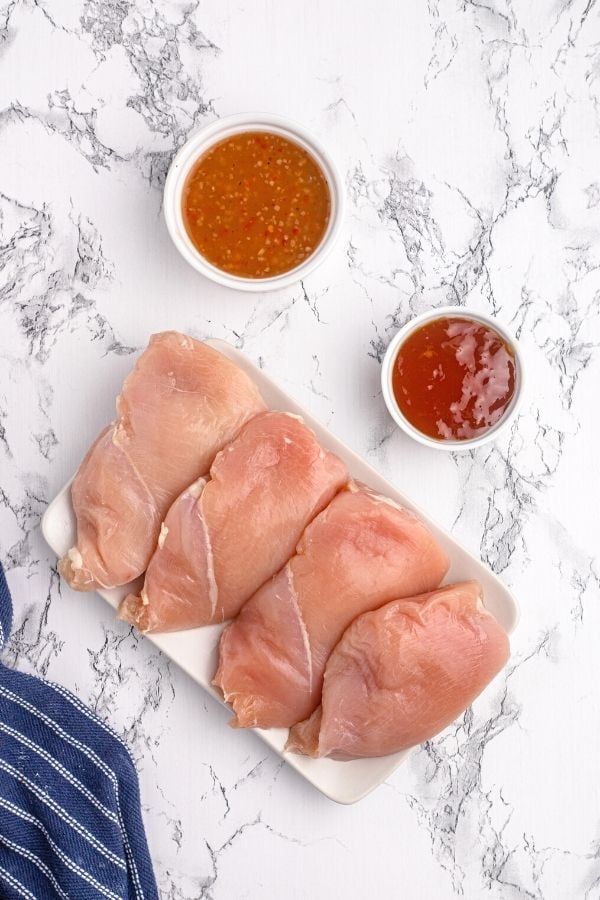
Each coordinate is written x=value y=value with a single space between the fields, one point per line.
x=469 y=134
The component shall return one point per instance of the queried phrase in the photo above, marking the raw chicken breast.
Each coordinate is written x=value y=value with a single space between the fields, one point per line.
x=222 y=539
x=402 y=673
x=179 y=406
x=360 y=552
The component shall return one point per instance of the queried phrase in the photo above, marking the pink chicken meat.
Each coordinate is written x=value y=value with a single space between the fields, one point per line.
x=362 y=551
x=402 y=673
x=181 y=404
x=223 y=538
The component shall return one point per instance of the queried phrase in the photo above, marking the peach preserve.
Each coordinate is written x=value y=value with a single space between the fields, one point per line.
x=453 y=378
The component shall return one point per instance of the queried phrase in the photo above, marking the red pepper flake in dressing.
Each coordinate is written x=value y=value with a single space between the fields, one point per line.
x=260 y=188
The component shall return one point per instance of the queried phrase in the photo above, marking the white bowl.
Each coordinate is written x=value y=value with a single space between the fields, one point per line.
x=388 y=367
x=211 y=134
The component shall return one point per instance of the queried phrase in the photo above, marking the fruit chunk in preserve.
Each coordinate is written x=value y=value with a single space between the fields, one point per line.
x=454 y=378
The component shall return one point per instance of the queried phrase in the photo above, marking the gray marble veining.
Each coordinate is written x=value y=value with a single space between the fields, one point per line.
x=469 y=134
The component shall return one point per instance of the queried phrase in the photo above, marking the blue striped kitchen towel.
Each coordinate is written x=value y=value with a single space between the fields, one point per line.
x=70 y=819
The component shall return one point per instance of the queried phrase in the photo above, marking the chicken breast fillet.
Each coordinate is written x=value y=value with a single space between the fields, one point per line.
x=181 y=404
x=222 y=539
x=360 y=552
x=401 y=674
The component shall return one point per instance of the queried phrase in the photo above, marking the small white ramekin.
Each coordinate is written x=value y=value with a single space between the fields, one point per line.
x=211 y=134
x=388 y=367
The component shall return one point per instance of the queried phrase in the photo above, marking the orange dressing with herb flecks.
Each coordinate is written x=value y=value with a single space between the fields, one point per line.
x=256 y=205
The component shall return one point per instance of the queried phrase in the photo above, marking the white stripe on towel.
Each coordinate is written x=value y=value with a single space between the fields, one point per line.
x=93 y=757
x=69 y=863
x=19 y=888
x=68 y=776
x=62 y=813
x=36 y=861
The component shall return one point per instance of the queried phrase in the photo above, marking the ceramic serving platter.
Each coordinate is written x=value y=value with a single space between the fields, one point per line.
x=196 y=651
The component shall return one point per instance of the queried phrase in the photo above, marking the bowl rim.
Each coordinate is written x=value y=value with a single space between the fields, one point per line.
x=388 y=363
x=209 y=135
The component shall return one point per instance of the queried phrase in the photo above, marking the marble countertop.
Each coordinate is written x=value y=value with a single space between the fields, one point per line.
x=469 y=137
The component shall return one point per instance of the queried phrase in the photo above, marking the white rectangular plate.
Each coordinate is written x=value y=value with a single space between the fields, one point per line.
x=195 y=651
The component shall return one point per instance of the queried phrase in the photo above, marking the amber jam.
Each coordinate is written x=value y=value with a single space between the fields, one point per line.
x=256 y=205
x=454 y=378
